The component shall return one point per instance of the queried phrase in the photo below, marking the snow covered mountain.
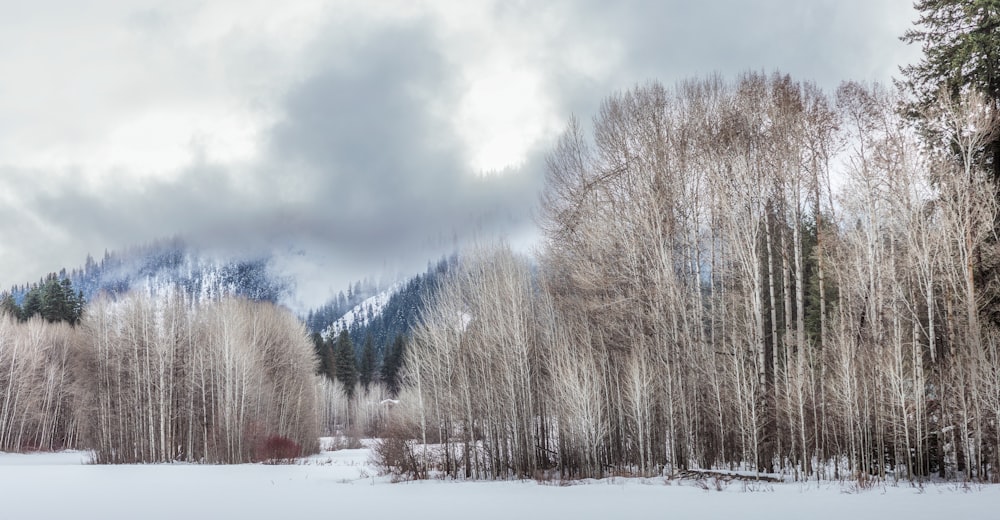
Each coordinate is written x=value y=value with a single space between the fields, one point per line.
x=365 y=309
x=391 y=312
x=363 y=314
x=173 y=265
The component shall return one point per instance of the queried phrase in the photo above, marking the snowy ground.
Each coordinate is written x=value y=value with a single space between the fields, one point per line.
x=342 y=484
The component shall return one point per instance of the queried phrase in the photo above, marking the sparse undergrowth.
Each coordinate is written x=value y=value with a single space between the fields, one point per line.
x=278 y=450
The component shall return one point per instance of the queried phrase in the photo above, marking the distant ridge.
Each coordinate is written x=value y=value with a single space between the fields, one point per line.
x=171 y=265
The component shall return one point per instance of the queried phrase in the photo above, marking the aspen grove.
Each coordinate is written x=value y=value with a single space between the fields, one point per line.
x=749 y=274
x=146 y=379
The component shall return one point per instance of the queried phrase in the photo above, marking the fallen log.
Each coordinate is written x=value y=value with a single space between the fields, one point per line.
x=726 y=476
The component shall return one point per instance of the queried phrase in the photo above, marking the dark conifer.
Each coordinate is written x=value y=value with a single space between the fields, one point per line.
x=961 y=43
x=366 y=369
x=345 y=361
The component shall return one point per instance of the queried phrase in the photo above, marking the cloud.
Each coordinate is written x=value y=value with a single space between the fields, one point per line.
x=362 y=170
x=352 y=132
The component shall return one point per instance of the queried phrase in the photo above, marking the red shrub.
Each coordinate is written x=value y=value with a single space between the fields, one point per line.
x=277 y=449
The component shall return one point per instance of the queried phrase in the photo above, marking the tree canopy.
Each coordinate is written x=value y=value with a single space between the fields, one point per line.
x=961 y=44
x=54 y=299
x=346 y=368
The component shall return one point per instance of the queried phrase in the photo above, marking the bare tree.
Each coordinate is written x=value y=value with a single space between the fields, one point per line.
x=160 y=395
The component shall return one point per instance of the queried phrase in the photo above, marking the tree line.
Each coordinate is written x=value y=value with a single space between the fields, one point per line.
x=743 y=274
x=747 y=274
x=144 y=379
x=54 y=299
x=371 y=350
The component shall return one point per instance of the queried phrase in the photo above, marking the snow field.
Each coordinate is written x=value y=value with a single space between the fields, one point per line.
x=344 y=484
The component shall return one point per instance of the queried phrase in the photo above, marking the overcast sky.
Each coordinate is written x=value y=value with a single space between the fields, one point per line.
x=351 y=137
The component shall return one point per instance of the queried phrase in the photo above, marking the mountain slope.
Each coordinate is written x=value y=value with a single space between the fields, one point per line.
x=393 y=312
x=173 y=265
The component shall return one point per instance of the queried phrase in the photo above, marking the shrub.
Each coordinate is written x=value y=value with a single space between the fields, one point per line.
x=394 y=454
x=277 y=449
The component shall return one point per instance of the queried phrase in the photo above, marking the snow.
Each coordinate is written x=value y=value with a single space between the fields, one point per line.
x=359 y=313
x=466 y=320
x=344 y=484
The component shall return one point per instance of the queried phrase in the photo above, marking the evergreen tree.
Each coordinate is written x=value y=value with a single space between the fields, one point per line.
x=322 y=349
x=366 y=370
x=961 y=43
x=393 y=363
x=9 y=306
x=53 y=300
x=69 y=303
x=345 y=362
x=331 y=358
x=79 y=305
x=32 y=303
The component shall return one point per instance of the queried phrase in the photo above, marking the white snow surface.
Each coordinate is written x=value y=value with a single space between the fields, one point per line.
x=360 y=312
x=344 y=484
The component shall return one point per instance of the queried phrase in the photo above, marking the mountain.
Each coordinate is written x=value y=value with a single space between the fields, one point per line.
x=320 y=319
x=362 y=314
x=366 y=308
x=174 y=265
x=392 y=312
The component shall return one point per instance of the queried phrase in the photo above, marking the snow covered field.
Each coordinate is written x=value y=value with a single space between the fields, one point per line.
x=343 y=484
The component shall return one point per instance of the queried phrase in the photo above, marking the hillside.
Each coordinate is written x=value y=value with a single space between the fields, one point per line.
x=173 y=265
x=392 y=312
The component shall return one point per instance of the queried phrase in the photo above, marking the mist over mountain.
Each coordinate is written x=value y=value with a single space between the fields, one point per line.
x=379 y=307
x=172 y=265
x=392 y=312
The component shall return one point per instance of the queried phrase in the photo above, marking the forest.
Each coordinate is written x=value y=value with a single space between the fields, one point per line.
x=736 y=274
x=158 y=380
x=744 y=274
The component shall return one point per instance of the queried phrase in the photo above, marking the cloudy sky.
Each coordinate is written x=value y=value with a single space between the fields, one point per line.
x=351 y=137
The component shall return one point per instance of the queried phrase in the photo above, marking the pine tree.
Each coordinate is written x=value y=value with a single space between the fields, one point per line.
x=346 y=365
x=366 y=371
x=79 y=305
x=393 y=363
x=322 y=349
x=53 y=306
x=961 y=43
x=32 y=303
x=53 y=299
x=69 y=304
x=9 y=306
x=330 y=349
